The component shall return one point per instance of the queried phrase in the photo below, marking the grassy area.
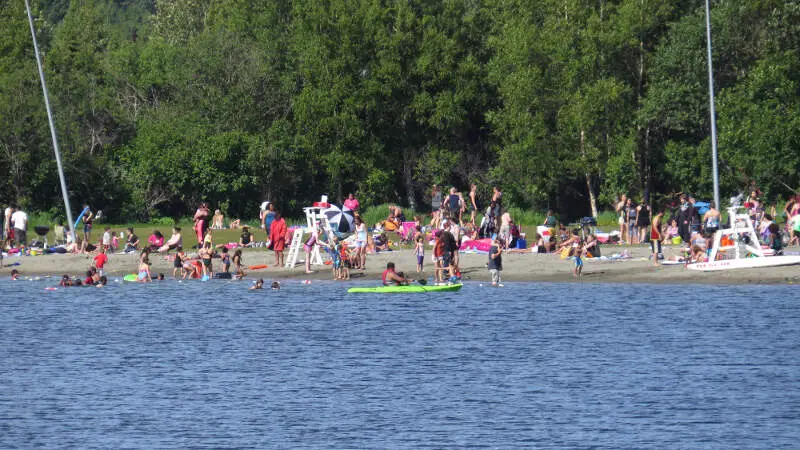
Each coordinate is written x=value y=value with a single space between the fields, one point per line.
x=528 y=220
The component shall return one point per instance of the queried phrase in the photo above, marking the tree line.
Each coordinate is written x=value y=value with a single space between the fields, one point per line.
x=565 y=104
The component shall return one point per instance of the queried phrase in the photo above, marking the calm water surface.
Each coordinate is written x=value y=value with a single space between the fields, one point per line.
x=309 y=366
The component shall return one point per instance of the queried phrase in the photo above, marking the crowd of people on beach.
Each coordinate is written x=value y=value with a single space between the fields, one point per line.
x=454 y=219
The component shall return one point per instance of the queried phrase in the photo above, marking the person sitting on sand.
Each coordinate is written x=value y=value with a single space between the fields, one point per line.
x=175 y=241
x=246 y=239
x=699 y=254
x=156 y=240
x=132 y=244
x=218 y=220
x=389 y=276
x=381 y=243
x=574 y=238
x=672 y=231
x=591 y=248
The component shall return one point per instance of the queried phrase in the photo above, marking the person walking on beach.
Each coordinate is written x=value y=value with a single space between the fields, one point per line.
x=619 y=207
x=419 y=252
x=19 y=220
x=495 y=263
x=277 y=236
x=577 y=253
x=656 y=236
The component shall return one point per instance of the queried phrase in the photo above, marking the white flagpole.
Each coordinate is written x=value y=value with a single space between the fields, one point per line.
x=52 y=125
x=712 y=110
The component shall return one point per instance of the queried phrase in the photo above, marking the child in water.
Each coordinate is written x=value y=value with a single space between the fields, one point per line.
x=258 y=285
x=205 y=255
x=144 y=271
x=226 y=260
x=177 y=263
x=237 y=264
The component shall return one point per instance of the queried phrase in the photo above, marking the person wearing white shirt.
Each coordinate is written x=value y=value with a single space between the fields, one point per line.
x=19 y=219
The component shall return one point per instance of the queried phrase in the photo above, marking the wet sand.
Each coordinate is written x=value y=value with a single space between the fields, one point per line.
x=516 y=267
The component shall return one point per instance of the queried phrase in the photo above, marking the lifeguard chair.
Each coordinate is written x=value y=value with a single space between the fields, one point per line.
x=314 y=215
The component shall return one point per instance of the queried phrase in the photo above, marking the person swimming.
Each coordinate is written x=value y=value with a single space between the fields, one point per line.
x=276 y=285
x=259 y=284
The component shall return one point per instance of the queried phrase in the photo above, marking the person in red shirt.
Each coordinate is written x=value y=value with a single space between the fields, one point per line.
x=100 y=261
x=277 y=237
x=390 y=276
x=351 y=203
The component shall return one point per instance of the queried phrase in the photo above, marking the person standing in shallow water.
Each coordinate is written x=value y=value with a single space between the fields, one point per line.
x=495 y=264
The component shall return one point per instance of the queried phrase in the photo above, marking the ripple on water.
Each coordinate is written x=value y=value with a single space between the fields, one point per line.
x=529 y=365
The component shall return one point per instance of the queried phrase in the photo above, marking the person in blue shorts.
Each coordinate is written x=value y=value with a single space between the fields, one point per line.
x=577 y=252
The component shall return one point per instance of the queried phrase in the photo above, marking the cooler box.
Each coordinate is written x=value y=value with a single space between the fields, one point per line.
x=522 y=243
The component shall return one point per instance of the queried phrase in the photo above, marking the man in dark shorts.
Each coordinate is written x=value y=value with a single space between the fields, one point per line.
x=450 y=247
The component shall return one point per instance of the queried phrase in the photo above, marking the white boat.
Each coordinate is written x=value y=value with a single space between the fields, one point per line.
x=741 y=249
x=738 y=247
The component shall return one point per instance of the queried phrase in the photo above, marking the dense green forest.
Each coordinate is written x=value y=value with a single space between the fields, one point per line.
x=563 y=103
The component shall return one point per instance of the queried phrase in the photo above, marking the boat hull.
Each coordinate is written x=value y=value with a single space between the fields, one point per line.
x=410 y=289
x=745 y=263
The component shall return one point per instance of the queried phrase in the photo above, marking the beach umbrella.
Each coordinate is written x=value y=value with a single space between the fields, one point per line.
x=341 y=220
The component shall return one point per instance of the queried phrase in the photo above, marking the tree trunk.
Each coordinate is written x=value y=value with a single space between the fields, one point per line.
x=408 y=180
x=592 y=198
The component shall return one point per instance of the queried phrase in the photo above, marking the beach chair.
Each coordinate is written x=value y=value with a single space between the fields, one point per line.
x=407 y=232
x=59 y=235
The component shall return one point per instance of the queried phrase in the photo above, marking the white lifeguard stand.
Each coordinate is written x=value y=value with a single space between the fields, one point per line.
x=314 y=215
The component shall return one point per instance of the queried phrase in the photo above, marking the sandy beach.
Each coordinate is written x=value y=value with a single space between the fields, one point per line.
x=516 y=267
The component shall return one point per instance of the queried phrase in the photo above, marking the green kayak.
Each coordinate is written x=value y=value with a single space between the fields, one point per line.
x=412 y=288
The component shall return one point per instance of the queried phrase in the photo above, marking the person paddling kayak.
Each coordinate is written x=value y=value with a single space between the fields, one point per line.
x=390 y=276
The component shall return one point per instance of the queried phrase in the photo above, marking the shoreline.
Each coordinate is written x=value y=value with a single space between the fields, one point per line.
x=517 y=267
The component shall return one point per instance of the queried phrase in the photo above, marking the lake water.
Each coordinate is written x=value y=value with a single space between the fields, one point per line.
x=310 y=366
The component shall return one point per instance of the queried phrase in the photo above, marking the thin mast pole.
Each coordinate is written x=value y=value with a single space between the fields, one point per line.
x=712 y=110
x=52 y=126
